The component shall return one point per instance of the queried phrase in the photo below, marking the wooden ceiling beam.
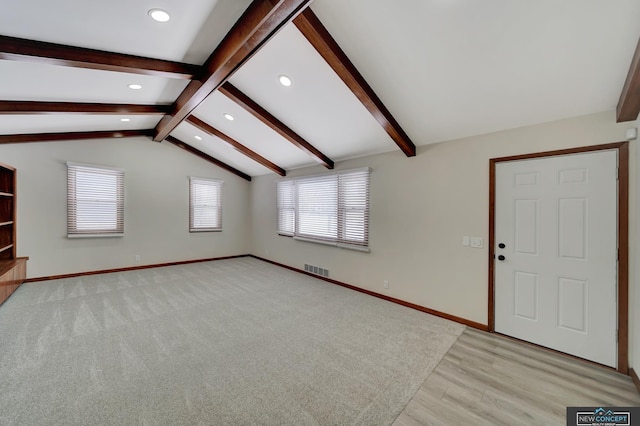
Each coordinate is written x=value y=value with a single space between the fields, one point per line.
x=18 y=49
x=177 y=142
x=629 y=102
x=261 y=21
x=207 y=128
x=311 y=27
x=72 y=136
x=233 y=93
x=33 y=107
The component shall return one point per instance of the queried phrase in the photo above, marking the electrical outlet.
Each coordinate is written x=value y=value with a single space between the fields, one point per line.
x=465 y=241
x=386 y=284
x=137 y=258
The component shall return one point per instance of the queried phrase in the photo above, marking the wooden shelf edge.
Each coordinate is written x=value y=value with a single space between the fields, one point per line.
x=6 y=223
x=6 y=194
x=6 y=248
x=4 y=262
x=7 y=264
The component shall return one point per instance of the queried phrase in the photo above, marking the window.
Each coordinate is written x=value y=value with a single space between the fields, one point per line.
x=330 y=208
x=205 y=205
x=95 y=201
x=286 y=208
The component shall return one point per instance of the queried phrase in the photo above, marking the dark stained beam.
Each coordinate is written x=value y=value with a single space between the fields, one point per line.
x=261 y=21
x=72 y=136
x=204 y=156
x=311 y=27
x=18 y=49
x=267 y=118
x=207 y=128
x=629 y=103
x=32 y=107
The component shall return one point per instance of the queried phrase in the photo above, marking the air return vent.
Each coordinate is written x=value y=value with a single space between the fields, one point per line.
x=316 y=270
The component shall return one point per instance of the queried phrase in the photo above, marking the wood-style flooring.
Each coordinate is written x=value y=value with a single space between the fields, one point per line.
x=487 y=379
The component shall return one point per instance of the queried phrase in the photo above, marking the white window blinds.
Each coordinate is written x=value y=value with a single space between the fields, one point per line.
x=286 y=208
x=95 y=201
x=353 y=207
x=205 y=205
x=330 y=208
x=317 y=208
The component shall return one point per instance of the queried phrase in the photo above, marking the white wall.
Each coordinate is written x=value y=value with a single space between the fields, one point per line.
x=421 y=208
x=156 y=206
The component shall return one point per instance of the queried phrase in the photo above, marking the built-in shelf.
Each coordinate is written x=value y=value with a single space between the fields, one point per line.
x=12 y=273
x=13 y=270
x=7 y=265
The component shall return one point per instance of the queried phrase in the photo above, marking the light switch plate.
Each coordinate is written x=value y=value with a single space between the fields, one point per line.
x=476 y=242
x=465 y=241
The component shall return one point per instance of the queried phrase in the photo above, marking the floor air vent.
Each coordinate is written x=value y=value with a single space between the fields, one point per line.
x=316 y=270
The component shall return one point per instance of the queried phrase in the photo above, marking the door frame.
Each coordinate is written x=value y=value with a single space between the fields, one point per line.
x=623 y=236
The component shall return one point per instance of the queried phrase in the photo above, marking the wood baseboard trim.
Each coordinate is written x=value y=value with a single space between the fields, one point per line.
x=130 y=268
x=635 y=378
x=444 y=315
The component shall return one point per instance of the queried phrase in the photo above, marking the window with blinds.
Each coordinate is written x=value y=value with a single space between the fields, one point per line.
x=286 y=208
x=95 y=201
x=330 y=208
x=205 y=205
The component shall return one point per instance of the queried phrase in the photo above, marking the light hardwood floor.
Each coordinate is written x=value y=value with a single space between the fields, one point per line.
x=487 y=379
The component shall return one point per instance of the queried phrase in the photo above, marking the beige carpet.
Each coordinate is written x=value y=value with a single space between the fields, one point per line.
x=230 y=342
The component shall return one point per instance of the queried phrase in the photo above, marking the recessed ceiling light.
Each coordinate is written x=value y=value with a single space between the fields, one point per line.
x=159 y=15
x=229 y=117
x=198 y=137
x=125 y=120
x=135 y=86
x=284 y=80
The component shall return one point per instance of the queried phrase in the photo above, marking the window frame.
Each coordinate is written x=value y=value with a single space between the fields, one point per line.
x=341 y=208
x=73 y=203
x=210 y=182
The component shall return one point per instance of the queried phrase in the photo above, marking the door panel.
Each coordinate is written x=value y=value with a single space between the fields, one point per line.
x=572 y=228
x=526 y=226
x=572 y=304
x=526 y=295
x=557 y=285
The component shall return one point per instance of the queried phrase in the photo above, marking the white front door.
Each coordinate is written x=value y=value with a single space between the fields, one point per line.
x=556 y=253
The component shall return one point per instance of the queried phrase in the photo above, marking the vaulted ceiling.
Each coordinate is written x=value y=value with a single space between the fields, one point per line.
x=368 y=76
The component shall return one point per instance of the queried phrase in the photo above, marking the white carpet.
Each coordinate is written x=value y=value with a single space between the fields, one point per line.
x=230 y=342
